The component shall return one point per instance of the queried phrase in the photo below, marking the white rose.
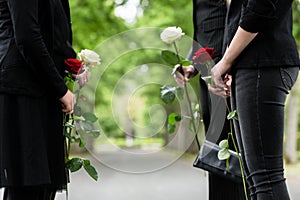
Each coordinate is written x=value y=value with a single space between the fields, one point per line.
x=89 y=57
x=171 y=34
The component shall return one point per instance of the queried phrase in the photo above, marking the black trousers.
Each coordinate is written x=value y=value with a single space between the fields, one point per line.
x=259 y=96
x=29 y=193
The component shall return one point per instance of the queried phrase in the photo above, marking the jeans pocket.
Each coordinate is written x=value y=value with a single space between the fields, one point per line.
x=289 y=76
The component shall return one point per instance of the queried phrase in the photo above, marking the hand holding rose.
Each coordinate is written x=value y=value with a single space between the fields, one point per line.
x=180 y=78
x=222 y=80
x=83 y=77
x=68 y=101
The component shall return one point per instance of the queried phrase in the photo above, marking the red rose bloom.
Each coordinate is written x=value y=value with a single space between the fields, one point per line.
x=73 y=65
x=203 y=54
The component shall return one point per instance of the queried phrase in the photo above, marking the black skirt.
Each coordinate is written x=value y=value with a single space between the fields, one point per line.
x=31 y=142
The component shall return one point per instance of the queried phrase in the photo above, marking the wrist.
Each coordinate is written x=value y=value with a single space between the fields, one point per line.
x=227 y=59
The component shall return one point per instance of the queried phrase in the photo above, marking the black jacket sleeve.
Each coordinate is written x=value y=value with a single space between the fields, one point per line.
x=29 y=40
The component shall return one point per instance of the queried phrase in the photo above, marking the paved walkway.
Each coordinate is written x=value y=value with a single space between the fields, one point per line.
x=175 y=181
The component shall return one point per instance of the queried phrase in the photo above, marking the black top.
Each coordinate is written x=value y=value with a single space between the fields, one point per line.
x=272 y=19
x=26 y=48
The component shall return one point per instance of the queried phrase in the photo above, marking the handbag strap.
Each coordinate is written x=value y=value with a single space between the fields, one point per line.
x=205 y=103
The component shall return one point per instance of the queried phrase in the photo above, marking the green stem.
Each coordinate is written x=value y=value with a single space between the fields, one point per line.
x=66 y=148
x=177 y=52
x=69 y=143
x=238 y=154
x=192 y=115
x=241 y=166
x=189 y=101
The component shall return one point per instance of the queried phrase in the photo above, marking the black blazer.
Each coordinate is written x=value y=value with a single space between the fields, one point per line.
x=26 y=48
x=272 y=19
x=209 y=23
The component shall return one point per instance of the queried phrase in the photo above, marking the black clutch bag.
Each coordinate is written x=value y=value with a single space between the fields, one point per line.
x=208 y=160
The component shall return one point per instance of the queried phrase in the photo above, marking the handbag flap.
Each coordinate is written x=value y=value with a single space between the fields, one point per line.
x=208 y=154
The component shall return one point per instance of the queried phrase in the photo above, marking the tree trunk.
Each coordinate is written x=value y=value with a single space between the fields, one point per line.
x=292 y=126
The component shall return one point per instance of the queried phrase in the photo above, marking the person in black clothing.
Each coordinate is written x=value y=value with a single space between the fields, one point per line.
x=263 y=60
x=209 y=25
x=35 y=38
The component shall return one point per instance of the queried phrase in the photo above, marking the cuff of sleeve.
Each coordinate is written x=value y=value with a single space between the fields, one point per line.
x=61 y=90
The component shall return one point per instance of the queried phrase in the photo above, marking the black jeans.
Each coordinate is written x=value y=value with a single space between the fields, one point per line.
x=259 y=96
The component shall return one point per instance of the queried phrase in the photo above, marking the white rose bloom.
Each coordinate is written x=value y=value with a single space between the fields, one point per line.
x=171 y=34
x=89 y=57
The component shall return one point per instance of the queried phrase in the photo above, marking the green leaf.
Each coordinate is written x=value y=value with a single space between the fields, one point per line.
x=77 y=110
x=94 y=133
x=168 y=97
x=69 y=83
x=90 y=170
x=76 y=87
x=173 y=118
x=224 y=144
x=171 y=128
x=186 y=63
x=170 y=57
x=90 y=117
x=178 y=118
x=168 y=93
x=74 y=164
x=78 y=118
x=232 y=115
x=86 y=162
x=82 y=143
x=223 y=154
x=86 y=125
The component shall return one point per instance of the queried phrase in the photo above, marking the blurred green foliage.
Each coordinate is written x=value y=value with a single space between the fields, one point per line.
x=296 y=18
x=95 y=21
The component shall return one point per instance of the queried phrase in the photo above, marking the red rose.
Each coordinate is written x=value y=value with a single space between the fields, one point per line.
x=73 y=65
x=203 y=54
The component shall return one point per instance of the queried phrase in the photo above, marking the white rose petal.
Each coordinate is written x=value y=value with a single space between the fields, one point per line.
x=89 y=57
x=171 y=34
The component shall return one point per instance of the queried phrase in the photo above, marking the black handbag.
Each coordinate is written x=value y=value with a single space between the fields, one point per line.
x=208 y=160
